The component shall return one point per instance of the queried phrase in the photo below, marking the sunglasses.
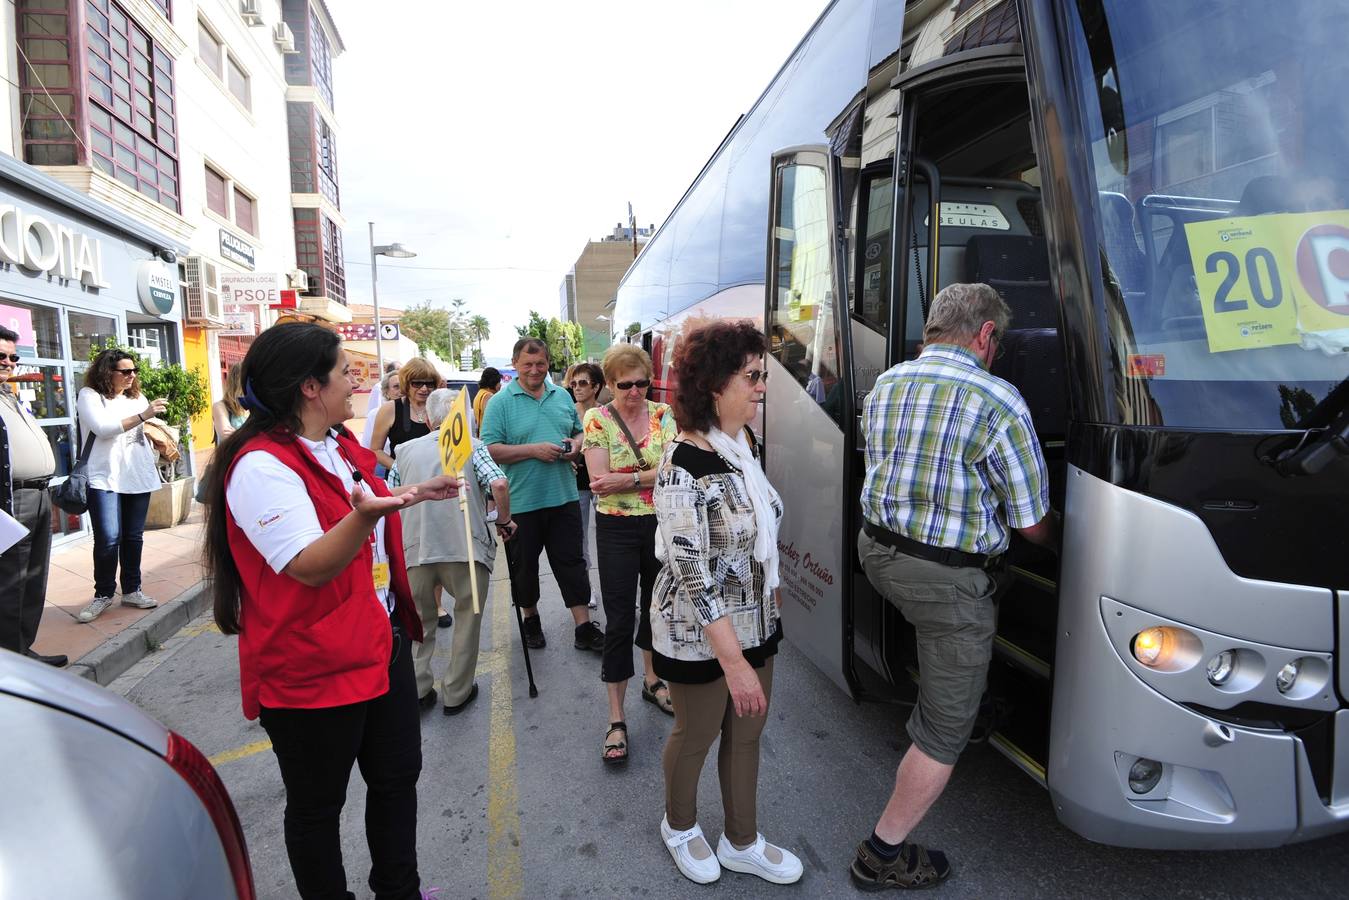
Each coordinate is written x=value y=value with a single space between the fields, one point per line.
x=577 y=384
x=131 y=371
x=629 y=385
x=12 y=357
x=756 y=375
x=423 y=384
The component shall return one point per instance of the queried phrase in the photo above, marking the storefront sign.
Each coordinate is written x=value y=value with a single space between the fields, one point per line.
x=236 y=250
x=355 y=331
x=243 y=321
x=262 y=288
x=35 y=243
x=156 y=287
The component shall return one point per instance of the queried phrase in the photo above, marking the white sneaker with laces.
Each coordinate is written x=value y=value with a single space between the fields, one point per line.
x=692 y=855
x=138 y=600
x=95 y=609
x=769 y=862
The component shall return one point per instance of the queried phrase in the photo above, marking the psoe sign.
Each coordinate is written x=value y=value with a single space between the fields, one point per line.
x=261 y=288
x=38 y=245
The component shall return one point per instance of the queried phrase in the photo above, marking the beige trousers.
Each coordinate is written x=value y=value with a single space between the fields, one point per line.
x=702 y=713
x=453 y=577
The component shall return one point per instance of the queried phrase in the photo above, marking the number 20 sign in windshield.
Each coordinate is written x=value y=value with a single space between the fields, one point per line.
x=1273 y=279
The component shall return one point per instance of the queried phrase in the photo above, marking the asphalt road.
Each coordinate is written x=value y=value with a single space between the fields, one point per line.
x=514 y=800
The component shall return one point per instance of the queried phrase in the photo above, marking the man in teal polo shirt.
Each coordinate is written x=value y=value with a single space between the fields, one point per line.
x=531 y=429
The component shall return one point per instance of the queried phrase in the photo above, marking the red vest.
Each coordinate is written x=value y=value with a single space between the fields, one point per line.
x=304 y=647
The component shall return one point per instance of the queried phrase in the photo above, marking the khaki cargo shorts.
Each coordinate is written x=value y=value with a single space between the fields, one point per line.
x=953 y=613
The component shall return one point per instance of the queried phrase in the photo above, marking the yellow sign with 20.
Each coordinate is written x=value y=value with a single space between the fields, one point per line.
x=1269 y=280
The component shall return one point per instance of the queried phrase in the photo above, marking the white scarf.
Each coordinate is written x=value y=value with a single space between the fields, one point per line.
x=762 y=496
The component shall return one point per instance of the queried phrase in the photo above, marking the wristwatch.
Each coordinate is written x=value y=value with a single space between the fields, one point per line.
x=636 y=479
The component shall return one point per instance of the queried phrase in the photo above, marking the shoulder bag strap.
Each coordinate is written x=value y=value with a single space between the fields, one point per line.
x=613 y=411
x=88 y=447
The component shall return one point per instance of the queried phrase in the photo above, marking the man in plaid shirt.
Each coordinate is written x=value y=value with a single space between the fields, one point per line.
x=952 y=464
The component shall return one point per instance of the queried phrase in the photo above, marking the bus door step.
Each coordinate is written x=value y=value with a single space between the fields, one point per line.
x=1018 y=757
x=1022 y=658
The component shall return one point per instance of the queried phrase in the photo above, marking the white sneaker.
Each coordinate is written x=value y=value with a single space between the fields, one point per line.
x=762 y=858
x=692 y=855
x=138 y=600
x=95 y=609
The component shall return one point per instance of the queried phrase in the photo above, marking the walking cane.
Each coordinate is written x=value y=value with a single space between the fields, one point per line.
x=519 y=616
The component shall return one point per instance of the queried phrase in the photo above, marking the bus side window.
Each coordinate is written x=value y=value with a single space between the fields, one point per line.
x=803 y=330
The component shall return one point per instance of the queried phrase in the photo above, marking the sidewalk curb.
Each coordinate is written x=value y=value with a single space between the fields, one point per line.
x=122 y=651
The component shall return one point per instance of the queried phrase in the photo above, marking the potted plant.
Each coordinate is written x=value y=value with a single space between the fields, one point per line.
x=186 y=393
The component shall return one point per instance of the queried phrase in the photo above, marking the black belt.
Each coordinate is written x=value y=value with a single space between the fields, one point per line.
x=32 y=484
x=947 y=556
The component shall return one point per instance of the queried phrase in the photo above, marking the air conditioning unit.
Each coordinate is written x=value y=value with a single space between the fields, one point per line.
x=203 y=291
x=249 y=12
x=299 y=280
x=283 y=37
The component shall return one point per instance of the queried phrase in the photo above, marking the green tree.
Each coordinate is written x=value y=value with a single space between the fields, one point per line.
x=429 y=328
x=633 y=328
x=481 y=329
x=565 y=340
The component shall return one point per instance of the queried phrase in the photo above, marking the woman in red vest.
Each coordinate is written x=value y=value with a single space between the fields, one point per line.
x=305 y=551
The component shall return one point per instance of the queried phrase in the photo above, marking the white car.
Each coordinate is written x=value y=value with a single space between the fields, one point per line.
x=100 y=800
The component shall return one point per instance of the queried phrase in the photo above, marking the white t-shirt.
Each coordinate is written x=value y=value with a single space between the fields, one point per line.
x=271 y=504
x=121 y=461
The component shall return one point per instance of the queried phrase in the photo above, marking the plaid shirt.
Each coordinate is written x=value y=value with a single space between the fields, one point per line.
x=947 y=443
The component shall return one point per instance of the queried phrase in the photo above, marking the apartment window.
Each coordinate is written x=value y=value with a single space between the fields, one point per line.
x=326 y=146
x=211 y=49
x=217 y=193
x=313 y=152
x=245 y=212
x=318 y=251
x=47 y=90
x=132 y=115
x=237 y=82
x=321 y=60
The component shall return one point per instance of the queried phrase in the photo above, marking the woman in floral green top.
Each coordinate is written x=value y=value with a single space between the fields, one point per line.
x=624 y=442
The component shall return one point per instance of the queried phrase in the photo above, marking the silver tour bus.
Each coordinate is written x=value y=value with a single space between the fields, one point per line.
x=1160 y=190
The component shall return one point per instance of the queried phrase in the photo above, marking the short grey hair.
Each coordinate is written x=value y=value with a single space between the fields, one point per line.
x=960 y=310
x=438 y=406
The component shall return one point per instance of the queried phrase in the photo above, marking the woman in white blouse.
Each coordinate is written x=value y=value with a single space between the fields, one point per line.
x=122 y=475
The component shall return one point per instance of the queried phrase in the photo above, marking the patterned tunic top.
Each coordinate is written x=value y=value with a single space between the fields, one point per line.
x=601 y=430
x=707 y=528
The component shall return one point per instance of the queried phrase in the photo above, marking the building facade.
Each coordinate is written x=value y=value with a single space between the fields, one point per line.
x=587 y=292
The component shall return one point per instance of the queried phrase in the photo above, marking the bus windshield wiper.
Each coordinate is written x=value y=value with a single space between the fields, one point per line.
x=1322 y=445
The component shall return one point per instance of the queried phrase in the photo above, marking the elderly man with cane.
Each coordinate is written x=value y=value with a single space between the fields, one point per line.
x=438 y=556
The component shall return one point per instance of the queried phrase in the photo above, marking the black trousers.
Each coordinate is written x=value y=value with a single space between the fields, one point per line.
x=315 y=749
x=556 y=529
x=626 y=548
x=23 y=571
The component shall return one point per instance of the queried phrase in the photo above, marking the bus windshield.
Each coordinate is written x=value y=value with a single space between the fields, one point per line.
x=1219 y=145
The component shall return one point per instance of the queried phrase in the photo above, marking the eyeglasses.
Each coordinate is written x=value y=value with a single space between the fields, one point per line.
x=579 y=383
x=131 y=371
x=429 y=385
x=756 y=375
x=629 y=385
x=12 y=357
x=997 y=354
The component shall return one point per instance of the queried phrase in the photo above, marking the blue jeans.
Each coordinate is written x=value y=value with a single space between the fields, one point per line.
x=119 y=529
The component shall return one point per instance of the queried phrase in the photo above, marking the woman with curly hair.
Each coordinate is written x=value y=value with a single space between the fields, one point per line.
x=714 y=616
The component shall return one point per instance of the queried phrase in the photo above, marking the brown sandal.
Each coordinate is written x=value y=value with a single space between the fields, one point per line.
x=651 y=693
x=619 y=745
x=915 y=867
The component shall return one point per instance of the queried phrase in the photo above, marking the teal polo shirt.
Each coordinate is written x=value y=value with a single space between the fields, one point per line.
x=513 y=416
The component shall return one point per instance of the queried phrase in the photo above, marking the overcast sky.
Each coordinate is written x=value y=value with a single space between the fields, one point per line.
x=496 y=138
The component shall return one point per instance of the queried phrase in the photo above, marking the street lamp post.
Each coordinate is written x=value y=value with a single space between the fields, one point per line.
x=394 y=251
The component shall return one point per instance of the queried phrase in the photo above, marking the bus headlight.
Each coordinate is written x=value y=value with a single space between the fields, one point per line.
x=1144 y=775
x=1150 y=647
x=1221 y=667
x=1287 y=676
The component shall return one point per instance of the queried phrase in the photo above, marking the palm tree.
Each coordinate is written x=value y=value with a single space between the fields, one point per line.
x=481 y=329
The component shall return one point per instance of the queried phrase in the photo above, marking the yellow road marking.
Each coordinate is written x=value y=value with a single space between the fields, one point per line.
x=230 y=756
x=192 y=631
x=505 y=871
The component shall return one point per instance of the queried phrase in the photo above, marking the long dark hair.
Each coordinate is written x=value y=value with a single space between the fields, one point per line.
x=102 y=377
x=280 y=360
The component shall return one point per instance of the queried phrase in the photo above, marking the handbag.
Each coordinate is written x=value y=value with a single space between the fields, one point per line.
x=72 y=495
